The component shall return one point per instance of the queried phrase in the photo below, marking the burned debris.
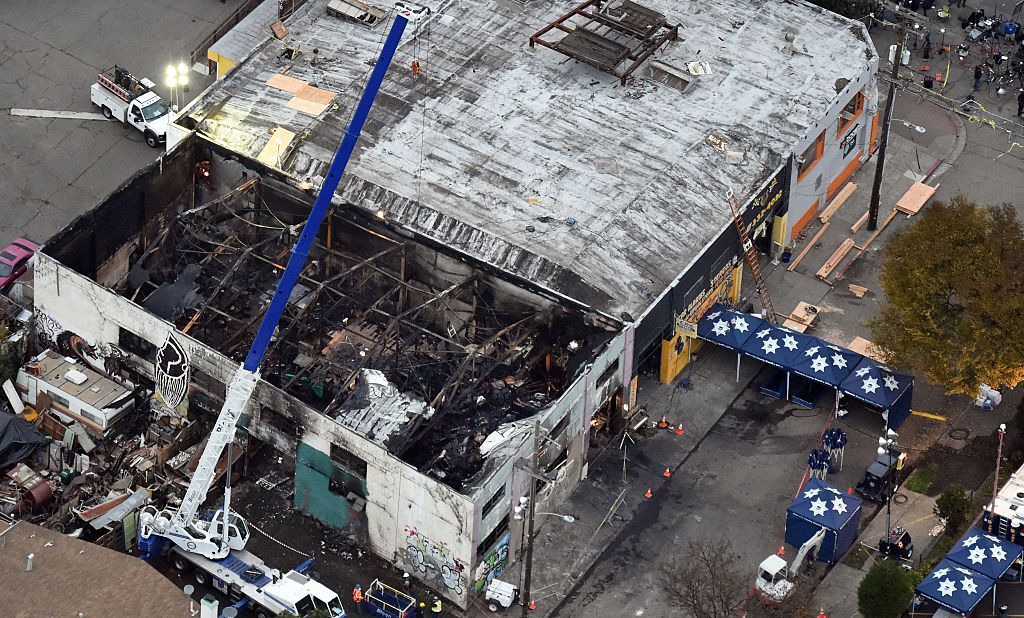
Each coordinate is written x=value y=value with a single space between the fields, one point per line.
x=375 y=336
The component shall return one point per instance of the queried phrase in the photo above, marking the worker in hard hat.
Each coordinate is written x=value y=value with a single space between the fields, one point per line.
x=435 y=609
x=358 y=598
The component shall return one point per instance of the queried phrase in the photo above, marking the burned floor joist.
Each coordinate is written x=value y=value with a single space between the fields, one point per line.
x=364 y=311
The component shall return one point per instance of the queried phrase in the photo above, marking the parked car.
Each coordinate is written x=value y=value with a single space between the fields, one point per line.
x=14 y=261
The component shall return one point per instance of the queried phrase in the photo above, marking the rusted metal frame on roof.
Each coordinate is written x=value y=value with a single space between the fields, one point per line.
x=490 y=341
x=351 y=257
x=346 y=327
x=558 y=23
x=656 y=43
x=614 y=25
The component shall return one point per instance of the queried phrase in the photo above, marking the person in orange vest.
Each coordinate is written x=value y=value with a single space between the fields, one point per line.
x=358 y=598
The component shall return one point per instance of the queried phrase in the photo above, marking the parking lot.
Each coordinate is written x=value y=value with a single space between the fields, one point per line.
x=50 y=52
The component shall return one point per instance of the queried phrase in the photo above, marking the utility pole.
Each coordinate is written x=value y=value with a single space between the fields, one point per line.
x=876 y=189
x=534 y=463
x=995 y=484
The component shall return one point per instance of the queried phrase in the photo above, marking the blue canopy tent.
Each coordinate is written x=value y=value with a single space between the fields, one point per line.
x=819 y=505
x=728 y=328
x=878 y=386
x=777 y=346
x=955 y=587
x=825 y=363
x=989 y=555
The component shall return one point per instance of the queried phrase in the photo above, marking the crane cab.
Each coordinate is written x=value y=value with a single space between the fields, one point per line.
x=238 y=531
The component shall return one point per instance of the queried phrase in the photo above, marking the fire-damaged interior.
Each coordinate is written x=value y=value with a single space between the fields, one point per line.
x=398 y=340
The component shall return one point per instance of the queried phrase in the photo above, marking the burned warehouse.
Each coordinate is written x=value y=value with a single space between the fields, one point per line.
x=536 y=215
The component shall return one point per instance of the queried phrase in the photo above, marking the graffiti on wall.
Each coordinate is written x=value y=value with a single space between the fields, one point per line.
x=47 y=330
x=172 y=369
x=493 y=564
x=434 y=563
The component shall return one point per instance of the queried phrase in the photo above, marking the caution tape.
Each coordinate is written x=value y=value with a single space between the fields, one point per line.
x=281 y=543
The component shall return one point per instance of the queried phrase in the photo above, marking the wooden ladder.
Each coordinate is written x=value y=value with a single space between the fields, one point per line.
x=750 y=255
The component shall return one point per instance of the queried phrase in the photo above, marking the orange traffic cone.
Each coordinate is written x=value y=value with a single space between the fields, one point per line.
x=679 y=430
x=668 y=473
x=648 y=494
x=533 y=605
x=849 y=490
x=664 y=423
x=782 y=550
x=822 y=614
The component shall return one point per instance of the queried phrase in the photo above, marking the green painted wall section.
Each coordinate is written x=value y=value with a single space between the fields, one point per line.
x=314 y=471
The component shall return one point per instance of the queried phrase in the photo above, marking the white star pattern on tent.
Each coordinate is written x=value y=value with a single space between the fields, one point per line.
x=839 y=361
x=810 y=493
x=870 y=385
x=714 y=315
x=940 y=573
x=818 y=507
x=971 y=541
x=998 y=553
x=740 y=324
x=771 y=344
x=839 y=506
x=720 y=328
x=819 y=363
x=976 y=555
x=967 y=585
x=947 y=588
x=762 y=333
x=891 y=383
x=863 y=371
x=790 y=342
x=811 y=351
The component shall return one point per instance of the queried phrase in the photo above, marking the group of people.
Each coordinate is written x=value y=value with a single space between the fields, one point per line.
x=359 y=598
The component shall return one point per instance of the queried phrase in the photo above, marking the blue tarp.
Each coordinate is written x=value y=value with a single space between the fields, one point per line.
x=725 y=327
x=776 y=345
x=955 y=587
x=989 y=555
x=825 y=363
x=819 y=505
x=877 y=385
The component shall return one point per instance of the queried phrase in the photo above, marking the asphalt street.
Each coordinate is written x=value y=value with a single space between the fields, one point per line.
x=50 y=52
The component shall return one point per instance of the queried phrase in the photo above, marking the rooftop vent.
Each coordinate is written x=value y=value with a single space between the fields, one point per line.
x=355 y=10
x=615 y=37
x=75 y=377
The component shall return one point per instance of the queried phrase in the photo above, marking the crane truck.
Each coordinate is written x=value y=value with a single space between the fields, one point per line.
x=776 y=579
x=215 y=543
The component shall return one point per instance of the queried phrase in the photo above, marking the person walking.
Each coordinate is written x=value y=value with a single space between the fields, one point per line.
x=978 y=74
x=1020 y=103
x=435 y=609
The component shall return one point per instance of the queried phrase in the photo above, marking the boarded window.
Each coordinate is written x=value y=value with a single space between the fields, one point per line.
x=347 y=460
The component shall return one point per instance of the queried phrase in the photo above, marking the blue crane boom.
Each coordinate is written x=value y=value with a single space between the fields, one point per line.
x=214 y=538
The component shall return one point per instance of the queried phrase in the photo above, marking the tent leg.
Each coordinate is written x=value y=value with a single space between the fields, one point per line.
x=737 y=367
x=787 y=386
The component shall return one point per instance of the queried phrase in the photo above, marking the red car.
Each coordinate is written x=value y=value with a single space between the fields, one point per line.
x=14 y=261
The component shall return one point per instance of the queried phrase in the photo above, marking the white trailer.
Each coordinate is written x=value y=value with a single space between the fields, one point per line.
x=250 y=584
x=121 y=95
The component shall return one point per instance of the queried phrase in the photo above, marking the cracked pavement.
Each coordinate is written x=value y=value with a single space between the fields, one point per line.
x=50 y=52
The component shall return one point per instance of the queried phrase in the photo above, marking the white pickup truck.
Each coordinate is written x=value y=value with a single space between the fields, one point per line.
x=119 y=94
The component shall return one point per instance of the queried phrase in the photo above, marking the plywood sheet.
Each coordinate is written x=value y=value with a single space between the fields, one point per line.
x=307 y=107
x=802 y=317
x=865 y=347
x=915 y=198
x=276 y=147
x=316 y=95
x=283 y=82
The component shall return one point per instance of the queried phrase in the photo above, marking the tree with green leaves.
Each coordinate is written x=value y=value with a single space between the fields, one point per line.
x=954 y=506
x=885 y=591
x=954 y=297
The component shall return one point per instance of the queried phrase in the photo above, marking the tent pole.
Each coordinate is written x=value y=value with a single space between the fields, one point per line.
x=737 y=367
x=787 y=386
